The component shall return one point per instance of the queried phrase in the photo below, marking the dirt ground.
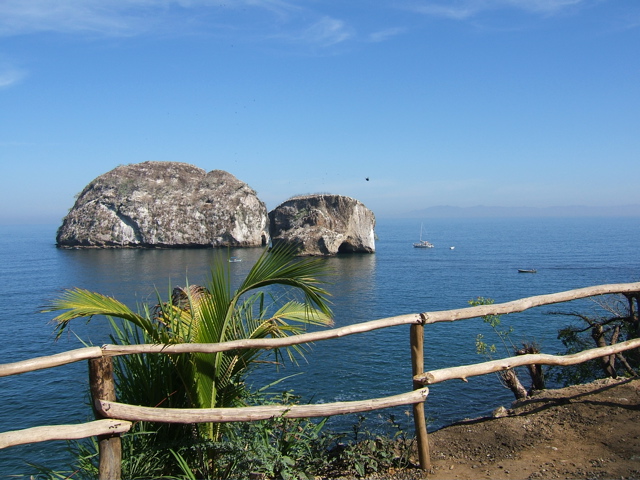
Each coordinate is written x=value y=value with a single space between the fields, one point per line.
x=587 y=431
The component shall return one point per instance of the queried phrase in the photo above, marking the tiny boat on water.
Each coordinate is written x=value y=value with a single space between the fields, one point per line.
x=527 y=270
x=422 y=243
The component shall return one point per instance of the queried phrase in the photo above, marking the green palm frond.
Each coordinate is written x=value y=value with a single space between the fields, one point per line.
x=211 y=314
x=242 y=314
x=301 y=313
x=280 y=267
x=81 y=303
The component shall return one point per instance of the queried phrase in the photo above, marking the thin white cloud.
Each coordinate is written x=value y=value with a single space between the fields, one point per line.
x=546 y=6
x=278 y=7
x=456 y=12
x=629 y=23
x=384 y=35
x=288 y=20
x=10 y=76
x=118 y=17
x=463 y=9
x=326 y=31
x=72 y=16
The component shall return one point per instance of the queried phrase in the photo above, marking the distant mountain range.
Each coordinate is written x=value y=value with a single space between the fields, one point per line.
x=447 y=211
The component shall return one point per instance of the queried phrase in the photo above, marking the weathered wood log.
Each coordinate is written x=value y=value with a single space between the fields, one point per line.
x=462 y=372
x=269 y=343
x=247 y=414
x=49 y=361
x=102 y=386
x=409 y=319
x=529 y=302
x=63 y=432
x=416 y=336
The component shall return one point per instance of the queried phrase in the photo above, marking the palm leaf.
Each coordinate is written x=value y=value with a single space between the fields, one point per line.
x=280 y=267
x=213 y=314
x=81 y=303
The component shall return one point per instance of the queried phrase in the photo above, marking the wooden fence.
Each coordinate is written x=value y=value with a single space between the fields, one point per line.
x=114 y=418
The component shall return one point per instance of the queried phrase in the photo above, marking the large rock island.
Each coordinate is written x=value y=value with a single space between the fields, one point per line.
x=323 y=225
x=165 y=204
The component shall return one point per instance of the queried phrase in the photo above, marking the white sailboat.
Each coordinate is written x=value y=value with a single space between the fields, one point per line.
x=422 y=243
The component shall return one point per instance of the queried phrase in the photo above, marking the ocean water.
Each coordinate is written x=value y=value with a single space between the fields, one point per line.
x=398 y=279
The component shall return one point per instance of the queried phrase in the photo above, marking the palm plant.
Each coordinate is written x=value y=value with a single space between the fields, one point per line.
x=213 y=314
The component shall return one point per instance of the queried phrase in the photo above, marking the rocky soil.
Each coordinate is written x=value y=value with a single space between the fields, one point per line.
x=587 y=431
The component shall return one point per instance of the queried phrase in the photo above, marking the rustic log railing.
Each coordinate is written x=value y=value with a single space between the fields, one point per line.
x=115 y=418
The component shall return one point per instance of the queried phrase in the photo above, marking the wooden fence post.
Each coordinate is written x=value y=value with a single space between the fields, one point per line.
x=102 y=386
x=419 y=420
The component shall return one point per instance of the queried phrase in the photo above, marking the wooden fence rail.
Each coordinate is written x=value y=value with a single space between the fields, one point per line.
x=115 y=418
x=63 y=432
x=249 y=414
x=271 y=343
x=462 y=372
x=119 y=416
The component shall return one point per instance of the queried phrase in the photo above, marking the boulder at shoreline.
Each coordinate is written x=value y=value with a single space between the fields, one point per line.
x=323 y=224
x=165 y=204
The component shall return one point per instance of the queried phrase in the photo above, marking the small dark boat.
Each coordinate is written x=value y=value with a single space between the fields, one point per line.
x=527 y=270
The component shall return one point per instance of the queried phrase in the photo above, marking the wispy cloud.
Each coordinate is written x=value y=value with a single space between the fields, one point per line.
x=463 y=9
x=10 y=76
x=629 y=20
x=544 y=6
x=71 y=16
x=457 y=12
x=326 y=31
x=283 y=19
x=383 y=35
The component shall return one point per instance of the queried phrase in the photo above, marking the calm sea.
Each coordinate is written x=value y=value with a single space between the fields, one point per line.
x=567 y=253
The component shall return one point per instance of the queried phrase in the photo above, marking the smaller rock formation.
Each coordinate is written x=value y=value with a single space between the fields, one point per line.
x=165 y=204
x=323 y=225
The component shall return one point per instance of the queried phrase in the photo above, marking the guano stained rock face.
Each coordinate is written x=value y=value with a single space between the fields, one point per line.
x=323 y=225
x=165 y=204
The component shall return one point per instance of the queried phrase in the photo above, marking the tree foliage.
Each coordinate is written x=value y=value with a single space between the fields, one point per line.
x=614 y=319
x=509 y=378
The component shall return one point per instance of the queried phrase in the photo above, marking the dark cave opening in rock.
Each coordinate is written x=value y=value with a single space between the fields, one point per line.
x=346 y=247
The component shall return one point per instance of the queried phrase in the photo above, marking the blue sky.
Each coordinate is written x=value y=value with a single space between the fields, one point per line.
x=462 y=102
